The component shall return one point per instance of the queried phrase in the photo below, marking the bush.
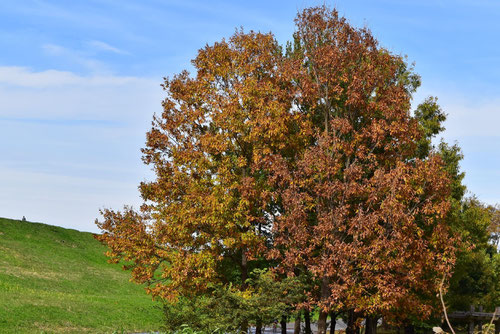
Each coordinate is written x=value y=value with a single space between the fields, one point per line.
x=225 y=308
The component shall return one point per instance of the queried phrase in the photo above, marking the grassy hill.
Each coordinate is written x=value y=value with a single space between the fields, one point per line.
x=56 y=280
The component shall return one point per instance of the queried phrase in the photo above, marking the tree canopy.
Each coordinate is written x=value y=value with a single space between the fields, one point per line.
x=361 y=211
x=299 y=161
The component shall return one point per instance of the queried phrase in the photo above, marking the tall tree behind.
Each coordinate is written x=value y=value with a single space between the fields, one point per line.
x=476 y=276
x=361 y=213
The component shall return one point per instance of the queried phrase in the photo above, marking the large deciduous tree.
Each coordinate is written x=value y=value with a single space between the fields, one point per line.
x=309 y=158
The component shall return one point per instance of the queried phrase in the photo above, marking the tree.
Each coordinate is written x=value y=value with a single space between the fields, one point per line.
x=476 y=276
x=207 y=216
x=226 y=307
x=306 y=161
x=361 y=211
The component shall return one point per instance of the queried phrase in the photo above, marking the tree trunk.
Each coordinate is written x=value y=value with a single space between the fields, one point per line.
x=244 y=326
x=244 y=276
x=325 y=292
x=244 y=269
x=296 y=327
x=371 y=325
x=258 y=327
x=333 y=322
x=352 y=327
x=307 y=320
x=409 y=329
x=283 y=324
x=322 y=322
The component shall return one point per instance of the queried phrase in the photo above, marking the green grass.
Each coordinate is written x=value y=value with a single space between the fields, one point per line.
x=56 y=280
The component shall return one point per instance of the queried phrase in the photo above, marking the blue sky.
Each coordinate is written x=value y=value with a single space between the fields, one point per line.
x=80 y=81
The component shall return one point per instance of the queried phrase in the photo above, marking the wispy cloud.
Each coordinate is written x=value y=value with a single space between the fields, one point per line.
x=53 y=94
x=77 y=57
x=63 y=122
x=468 y=115
x=472 y=119
x=72 y=13
x=99 y=45
x=19 y=76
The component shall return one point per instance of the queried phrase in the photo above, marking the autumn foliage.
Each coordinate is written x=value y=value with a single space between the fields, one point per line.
x=361 y=212
x=304 y=160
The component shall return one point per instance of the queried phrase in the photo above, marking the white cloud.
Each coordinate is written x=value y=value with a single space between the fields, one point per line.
x=472 y=122
x=58 y=94
x=24 y=77
x=106 y=47
x=471 y=118
x=76 y=57
x=468 y=114
x=70 y=13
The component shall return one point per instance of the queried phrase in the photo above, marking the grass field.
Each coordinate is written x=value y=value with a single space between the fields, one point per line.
x=56 y=280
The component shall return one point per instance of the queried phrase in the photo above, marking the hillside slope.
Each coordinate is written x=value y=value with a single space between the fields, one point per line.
x=56 y=280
